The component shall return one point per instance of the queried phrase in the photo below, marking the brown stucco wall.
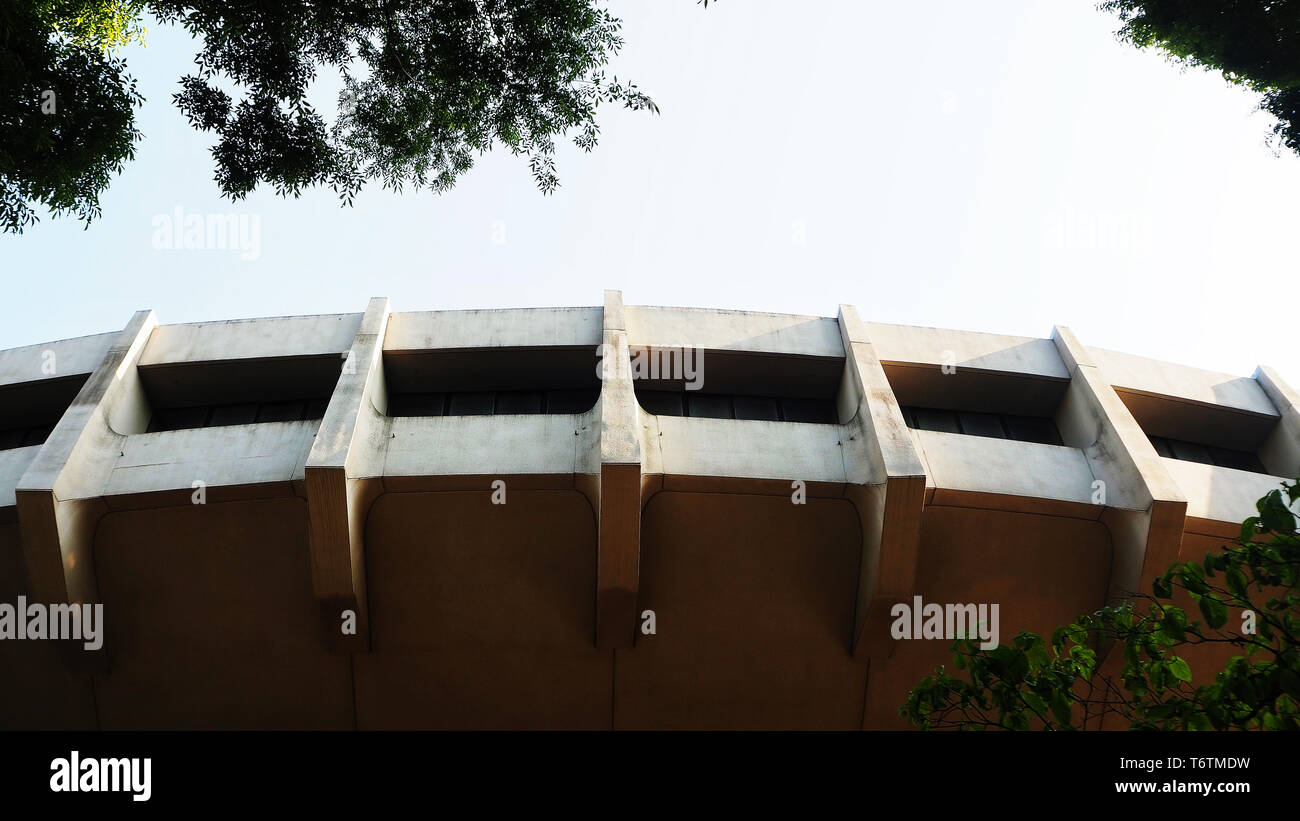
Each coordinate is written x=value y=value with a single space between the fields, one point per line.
x=211 y=622
x=483 y=616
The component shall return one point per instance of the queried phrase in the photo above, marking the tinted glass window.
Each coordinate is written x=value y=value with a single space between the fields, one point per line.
x=1207 y=454
x=13 y=438
x=579 y=401
x=660 y=403
x=1237 y=459
x=708 y=405
x=1032 y=429
x=817 y=411
x=471 y=404
x=982 y=424
x=756 y=407
x=216 y=416
x=417 y=404
x=1162 y=447
x=280 y=412
x=1038 y=429
x=518 y=402
x=940 y=420
x=1191 y=452
x=37 y=436
x=233 y=415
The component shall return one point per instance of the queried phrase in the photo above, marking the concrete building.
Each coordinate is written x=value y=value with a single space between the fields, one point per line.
x=507 y=502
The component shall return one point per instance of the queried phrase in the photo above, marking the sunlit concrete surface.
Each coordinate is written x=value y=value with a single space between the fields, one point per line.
x=491 y=519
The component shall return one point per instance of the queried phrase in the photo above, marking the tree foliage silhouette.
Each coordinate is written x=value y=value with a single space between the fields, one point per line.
x=428 y=86
x=1253 y=44
x=67 y=121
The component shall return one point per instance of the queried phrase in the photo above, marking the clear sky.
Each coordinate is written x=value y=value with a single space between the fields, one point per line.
x=995 y=166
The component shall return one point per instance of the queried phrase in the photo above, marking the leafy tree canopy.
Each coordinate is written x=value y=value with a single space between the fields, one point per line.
x=67 y=121
x=428 y=86
x=1060 y=685
x=1255 y=44
x=103 y=25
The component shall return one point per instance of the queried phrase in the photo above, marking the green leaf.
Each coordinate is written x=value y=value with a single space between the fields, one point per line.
x=1216 y=614
x=1236 y=582
x=1193 y=577
x=1061 y=707
x=1035 y=702
x=1274 y=515
x=1012 y=664
x=1174 y=623
x=1180 y=669
x=1059 y=636
x=1161 y=587
x=1249 y=529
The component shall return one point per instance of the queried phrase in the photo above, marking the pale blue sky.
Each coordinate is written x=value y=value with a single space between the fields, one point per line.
x=995 y=166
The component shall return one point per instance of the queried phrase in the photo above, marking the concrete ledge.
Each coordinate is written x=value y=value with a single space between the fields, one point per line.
x=1220 y=494
x=66 y=357
x=1197 y=385
x=266 y=338
x=993 y=353
x=418 y=331
x=957 y=462
x=479 y=445
x=260 y=453
x=690 y=446
x=735 y=331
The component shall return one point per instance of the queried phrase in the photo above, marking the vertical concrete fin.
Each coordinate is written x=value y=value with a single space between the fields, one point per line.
x=1280 y=453
x=872 y=403
x=886 y=486
x=1145 y=510
x=618 y=560
x=343 y=476
x=59 y=497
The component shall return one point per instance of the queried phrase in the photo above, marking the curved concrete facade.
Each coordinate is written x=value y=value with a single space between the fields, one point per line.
x=279 y=541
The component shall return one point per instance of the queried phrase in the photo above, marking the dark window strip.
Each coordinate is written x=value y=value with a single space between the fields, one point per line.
x=734 y=406
x=14 y=438
x=244 y=413
x=1207 y=454
x=486 y=403
x=1038 y=429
